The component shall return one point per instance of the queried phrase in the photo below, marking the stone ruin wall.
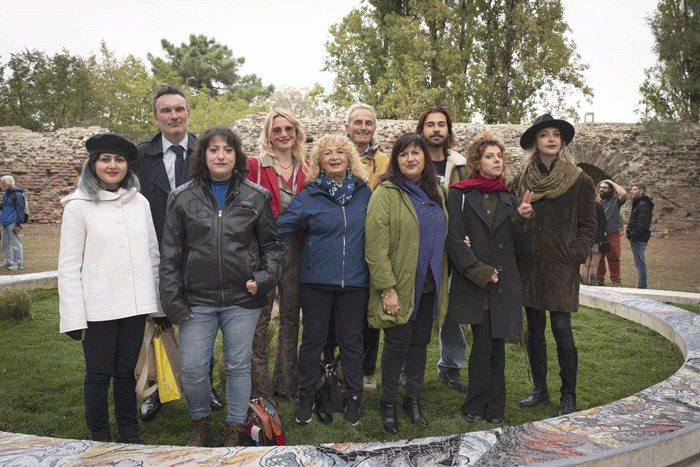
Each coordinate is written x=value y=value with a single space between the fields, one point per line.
x=47 y=165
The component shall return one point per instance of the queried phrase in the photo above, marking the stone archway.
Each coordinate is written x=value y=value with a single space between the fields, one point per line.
x=595 y=161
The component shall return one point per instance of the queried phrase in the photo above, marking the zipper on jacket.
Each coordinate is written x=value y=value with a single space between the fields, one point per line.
x=345 y=230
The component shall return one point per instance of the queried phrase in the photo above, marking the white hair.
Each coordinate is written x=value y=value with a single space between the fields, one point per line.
x=359 y=106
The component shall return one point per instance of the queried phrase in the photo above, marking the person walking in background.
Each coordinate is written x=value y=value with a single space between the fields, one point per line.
x=613 y=196
x=12 y=216
x=486 y=288
x=281 y=169
x=638 y=232
x=599 y=248
x=333 y=274
x=220 y=258
x=108 y=280
x=435 y=125
x=565 y=225
x=162 y=166
x=404 y=248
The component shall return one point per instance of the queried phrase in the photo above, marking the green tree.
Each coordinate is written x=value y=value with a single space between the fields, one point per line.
x=206 y=64
x=44 y=93
x=300 y=101
x=671 y=90
x=500 y=60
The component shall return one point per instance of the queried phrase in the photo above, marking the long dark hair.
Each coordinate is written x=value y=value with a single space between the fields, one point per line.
x=428 y=180
x=198 y=165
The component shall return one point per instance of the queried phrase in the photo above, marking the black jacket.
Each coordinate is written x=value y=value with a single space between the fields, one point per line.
x=640 y=220
x=208 y=255
x=602 y=223
x=496 y=245
x=155 y=186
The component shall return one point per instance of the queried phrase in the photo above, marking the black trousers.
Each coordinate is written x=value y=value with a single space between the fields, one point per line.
x=487 y=366
x=407 y=343
x=111 y=350
x=350 y=307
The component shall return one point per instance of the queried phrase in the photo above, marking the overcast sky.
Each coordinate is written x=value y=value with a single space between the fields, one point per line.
x=282 y=41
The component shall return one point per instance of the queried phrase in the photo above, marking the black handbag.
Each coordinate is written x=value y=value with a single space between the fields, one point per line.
x=329 y=393
x=604 y=246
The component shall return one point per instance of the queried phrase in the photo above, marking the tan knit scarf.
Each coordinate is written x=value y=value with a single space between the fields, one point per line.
x=560 y=179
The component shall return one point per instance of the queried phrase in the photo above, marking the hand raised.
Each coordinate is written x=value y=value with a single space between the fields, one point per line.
x=525 y=208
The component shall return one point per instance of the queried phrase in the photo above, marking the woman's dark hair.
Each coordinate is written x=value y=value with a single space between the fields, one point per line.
x=198 y=165
x=428 y=180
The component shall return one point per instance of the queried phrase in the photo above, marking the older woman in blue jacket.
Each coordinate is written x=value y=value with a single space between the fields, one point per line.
x=333 y=274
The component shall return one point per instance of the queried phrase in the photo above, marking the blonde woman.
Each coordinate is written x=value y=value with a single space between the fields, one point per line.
x=281 y=169
x=333 y=274
x=563 y=200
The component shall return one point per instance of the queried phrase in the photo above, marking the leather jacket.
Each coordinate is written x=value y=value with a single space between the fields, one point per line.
x=208 y=255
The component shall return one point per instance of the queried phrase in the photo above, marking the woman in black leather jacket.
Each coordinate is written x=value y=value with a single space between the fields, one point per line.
x=220 y=255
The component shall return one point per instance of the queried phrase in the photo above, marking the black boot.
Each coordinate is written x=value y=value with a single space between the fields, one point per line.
x=537 y=355
x=103 y=435
x=412 y=408
x=150 y=407
x=129 y=434
x=568 y=364
x=568 y=404
x=387 y=410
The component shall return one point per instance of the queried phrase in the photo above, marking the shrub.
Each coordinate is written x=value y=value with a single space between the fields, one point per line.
x=15 y=304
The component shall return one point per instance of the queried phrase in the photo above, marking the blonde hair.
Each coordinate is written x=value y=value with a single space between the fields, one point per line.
x=341 y=142
x=299 y=149
x=476 y=151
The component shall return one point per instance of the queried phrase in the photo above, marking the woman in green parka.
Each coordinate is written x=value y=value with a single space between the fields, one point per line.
x=404 y=247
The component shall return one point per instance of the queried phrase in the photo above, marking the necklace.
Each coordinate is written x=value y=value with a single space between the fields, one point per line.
x=291 y=163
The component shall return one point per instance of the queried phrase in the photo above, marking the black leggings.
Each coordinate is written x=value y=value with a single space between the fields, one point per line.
x=111 y=350
x=561 y=327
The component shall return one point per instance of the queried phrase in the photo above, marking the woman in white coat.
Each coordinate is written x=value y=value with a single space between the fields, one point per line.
x=108 y=280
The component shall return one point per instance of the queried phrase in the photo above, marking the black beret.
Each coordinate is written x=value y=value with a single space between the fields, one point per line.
x=113 y=143
x=547 y=121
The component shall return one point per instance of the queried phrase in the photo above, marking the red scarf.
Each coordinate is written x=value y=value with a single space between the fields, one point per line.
x=482 y=183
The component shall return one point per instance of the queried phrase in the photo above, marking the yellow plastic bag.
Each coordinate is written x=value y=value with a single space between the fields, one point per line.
x=167 y=366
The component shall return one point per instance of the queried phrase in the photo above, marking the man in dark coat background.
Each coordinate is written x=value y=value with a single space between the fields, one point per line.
x=638 y=230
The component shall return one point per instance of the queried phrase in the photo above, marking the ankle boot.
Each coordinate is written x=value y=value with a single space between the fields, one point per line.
x=129 y=434
x=387 y=410
x=537 y=355
x=568 y=404
x=412 y=408
x=235 y=434
x=201 y=433
x=103 y=435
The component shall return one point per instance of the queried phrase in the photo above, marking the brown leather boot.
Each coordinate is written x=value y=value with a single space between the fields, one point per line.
x=201 y=433
x=235 y=435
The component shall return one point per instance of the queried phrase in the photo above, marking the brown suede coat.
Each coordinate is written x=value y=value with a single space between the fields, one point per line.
x=564 y=232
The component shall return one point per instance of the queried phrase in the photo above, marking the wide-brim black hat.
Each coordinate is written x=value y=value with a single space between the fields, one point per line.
x=547 y=121
x=113 y=143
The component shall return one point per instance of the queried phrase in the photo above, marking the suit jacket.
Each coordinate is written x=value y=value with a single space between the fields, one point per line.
x=155 y=186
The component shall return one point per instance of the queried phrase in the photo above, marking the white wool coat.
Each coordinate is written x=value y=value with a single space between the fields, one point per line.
x=108 y=260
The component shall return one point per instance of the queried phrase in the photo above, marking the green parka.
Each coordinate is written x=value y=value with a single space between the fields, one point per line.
x=391 y=251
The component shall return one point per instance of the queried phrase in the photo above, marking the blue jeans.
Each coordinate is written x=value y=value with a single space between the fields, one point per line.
x=197 y=336
x=640 y=263
x=453 y=347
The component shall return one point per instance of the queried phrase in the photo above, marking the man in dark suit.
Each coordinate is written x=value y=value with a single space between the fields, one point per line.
x=161 y=167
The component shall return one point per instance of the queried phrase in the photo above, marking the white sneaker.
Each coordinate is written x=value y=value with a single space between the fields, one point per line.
x=15 y=266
